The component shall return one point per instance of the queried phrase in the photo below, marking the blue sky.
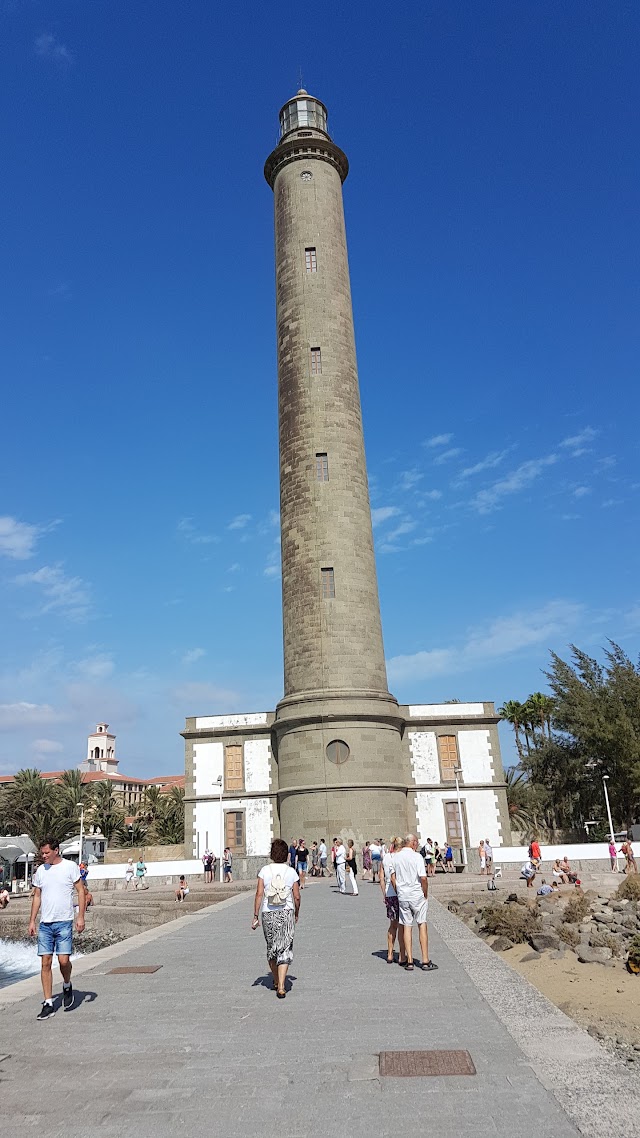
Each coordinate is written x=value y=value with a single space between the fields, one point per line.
x=492 y=217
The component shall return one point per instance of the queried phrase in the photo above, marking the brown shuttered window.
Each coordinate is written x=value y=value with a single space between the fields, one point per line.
x=234 y=831
x=310 y=261
x=316 y=361
x=322 y=468
x=328 y=584
x=452 y=823
x=448 y=755
x=233 y=767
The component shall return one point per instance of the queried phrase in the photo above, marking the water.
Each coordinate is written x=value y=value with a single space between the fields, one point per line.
x=17 y=961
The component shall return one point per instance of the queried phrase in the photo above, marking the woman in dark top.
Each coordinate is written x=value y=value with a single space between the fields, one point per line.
x=353 y=867
x=302 y=857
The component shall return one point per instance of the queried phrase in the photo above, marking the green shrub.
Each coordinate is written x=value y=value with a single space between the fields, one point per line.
x=569 y=935
x=629 y=890
x=513 y=921
x=577 y=908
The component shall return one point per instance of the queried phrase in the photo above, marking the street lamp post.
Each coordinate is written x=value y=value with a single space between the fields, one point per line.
x=458 y=771
x=81 y=843
x=605 y=779
x=221 y=786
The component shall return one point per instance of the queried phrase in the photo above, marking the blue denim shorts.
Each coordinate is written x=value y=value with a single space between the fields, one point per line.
x=55 y=938
x=302 y=867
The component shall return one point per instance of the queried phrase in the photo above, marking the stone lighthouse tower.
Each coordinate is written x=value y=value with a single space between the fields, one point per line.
x=337 y=731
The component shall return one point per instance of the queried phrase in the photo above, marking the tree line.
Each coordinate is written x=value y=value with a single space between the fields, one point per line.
x=589 y=726
x=41 y=807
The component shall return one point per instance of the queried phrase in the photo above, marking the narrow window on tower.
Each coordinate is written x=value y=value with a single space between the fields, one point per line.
x=316 y=361
x=328 y=584
x=322 y=468
x=310 y=260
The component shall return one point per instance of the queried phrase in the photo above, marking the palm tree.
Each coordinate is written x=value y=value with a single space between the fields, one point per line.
x=107 y=812
x=521 y=813
x=35 y=807
x=541 y=708
x=513 y=712
x=168 y=824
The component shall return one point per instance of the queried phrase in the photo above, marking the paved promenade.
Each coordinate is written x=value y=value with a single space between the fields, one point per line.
x=203 y=1047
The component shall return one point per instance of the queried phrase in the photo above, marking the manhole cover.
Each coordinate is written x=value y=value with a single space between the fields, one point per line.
x=413 y=1064
x=140 y=970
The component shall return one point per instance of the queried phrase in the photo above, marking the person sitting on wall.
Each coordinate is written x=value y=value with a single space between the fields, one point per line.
x=183 y=888
x=565 y=866
x=5 y=897
x=559 y=875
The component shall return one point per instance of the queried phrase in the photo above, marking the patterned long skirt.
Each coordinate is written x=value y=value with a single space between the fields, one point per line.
x=278 y=927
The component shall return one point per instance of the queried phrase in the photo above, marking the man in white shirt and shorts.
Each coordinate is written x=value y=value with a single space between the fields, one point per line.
x=409 y=879
x=55 y=882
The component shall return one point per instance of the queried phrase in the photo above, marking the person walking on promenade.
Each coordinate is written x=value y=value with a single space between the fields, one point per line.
x=277 y=901
x=322 y=856
x=376 y=859
x=352 y=867
x=341 y=862
x=391 y=903
x=430 y=858
x=483 y=858
x=54 y=885
x=302 y=861
x=488 y=853
x=227 y=866
x=535 y=853
x=449 y=867
x=613 y=856
x=207 y=862
x=293 y=853
x=409 y=879
x=366 y=862
x=315 y=870
x=141 y=871
x=129 y=872
x=630 y=861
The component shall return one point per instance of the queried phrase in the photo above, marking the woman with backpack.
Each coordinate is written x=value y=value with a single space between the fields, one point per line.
x=277 y=902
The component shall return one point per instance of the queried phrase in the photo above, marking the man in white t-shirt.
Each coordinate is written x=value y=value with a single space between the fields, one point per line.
x=409 y=879
x=341 y=861
x=375 y=849
x=322 y=856
x=55 y=882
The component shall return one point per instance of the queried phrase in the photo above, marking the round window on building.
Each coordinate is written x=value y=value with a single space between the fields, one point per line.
x=337 y=751
x=306 y=175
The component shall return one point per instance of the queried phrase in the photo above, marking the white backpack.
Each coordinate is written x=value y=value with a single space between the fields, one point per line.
x=278 y=892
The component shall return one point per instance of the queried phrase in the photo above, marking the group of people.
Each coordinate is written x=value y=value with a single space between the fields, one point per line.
x=403 y=879
x=135 y=874
x=210 y=861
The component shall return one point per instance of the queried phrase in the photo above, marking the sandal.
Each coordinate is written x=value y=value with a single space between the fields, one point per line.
x=390 y=960
x=429 y=966
x=409 y=967
x=280 y=995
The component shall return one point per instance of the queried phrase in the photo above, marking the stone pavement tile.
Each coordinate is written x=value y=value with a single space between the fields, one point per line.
x=203 y=1046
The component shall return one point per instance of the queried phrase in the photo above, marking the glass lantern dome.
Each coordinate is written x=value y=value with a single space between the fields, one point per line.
x=303 y=112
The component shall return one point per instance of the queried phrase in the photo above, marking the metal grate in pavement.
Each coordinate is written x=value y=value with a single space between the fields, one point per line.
x=142 y=969
x=416 y=1064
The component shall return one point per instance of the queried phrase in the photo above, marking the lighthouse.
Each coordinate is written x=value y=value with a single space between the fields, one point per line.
x=337 y=728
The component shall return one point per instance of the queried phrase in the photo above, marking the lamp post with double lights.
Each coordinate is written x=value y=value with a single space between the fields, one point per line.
x=458 y=771
x=220 y=782
x=605 y=779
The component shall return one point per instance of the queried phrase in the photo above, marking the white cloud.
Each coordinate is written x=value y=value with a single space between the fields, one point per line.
x=438 y=440
x=581 y=491
x=410 y=478
x=432 y=495
x=49 y=47
x=487 y=500
x=492 y=460
x=17 y=539
x=192 y=655
x=447 y=455
x=15 y=716
x=187 y=530
x=273 y=567
x=399 y=531
x=382 y=514
x=68 y=595
x=577 y=444
x=46 y=747
x=503 y=637
x=98 y=666
x=235 y=568
x=240 y=521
